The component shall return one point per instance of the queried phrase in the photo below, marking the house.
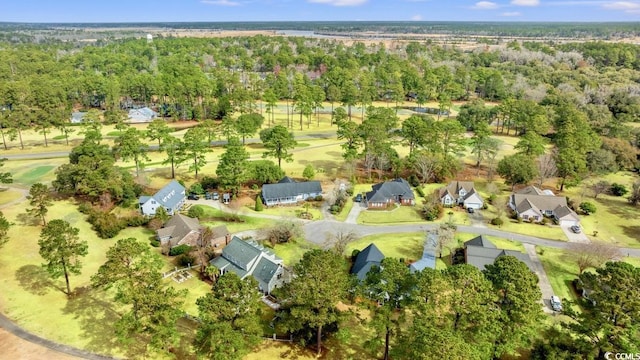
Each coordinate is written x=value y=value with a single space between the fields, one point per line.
x=480 y=252
x=247 y=258
x=428 y=259
x=388 y=193
x=180 y=230
x=533 y=204
x=367 y=258
x=288 y=191
x=142 y=115
x=77 y=117
x=461 y=193
x=171 y=197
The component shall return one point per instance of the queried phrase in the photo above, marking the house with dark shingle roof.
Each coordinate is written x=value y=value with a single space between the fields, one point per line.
x=481 y=252
x=533 y=204
x=387 y=193
x=461 y=193
x=248 y=258
x=288 y=191
x=180 y=230
x=171 y=197
x=366 y=259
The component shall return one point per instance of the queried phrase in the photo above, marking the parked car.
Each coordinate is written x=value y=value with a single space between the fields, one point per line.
x=556 y=304
x=358 y=198
x=208 y=196
x=215 y=196
x=226 y=198
x=471 y=210
x=576 y=229
x=193 y=197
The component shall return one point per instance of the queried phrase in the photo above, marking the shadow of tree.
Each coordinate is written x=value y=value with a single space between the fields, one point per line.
x=620 y=208
x=27 y=220
x=35 y=280
x=632 y=231
x=97 y=320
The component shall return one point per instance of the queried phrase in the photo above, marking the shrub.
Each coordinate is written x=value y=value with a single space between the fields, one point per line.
x=137 y=220
x=413 y=181
x=106 y=225
x=420 y=191
x=545 y=221
x=255 y=187
x=309 y=172
x=196 y=189
x=209 y=182
x=179 y=250
x=349 y=191
x=196 y=212
x=497 y=221
x=155 y=242
x=491 y=198
x=618 y=190
x=432 y=211
x=335 y=209
x=319 y=198
x=155 y=224
x=259 y=205
x=587 y=208
x=185 y=260
x=354 y=253
x=85 y=208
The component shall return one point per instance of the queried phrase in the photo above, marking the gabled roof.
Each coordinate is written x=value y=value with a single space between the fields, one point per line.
x=453 y=188
x=472 y=193
x=540 y=202
x=532 y=190
x=480 y=241
x=145 y=111
x=170 y=195
x=144 y=198
x=480 y=252
x=565 y=212
x=289 y=188
x=264 y=270
x=240 y=253
x=384 y=191
x=367 y=258
x=286 y=180
x=178 y=227
x=219 y=231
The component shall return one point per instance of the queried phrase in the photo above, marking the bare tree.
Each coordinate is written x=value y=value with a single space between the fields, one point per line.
x=381 y=163
x=282 y=231
x=426 y=165
x=634 y=198
x=599 y=187
x=547 y=168
x=369 y=162
x=500 y=203
x=446 y=238
x=338 y=241
x=591 y=255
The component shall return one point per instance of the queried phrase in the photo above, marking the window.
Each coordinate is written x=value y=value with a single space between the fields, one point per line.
x=525 y=217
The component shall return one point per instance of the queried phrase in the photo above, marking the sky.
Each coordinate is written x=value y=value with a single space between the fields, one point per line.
x=317 y=10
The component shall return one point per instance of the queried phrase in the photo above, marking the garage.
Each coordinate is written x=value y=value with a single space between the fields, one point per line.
x=569 y=222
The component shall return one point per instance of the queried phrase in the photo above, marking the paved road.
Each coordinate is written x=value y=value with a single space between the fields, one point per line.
x=20 y=332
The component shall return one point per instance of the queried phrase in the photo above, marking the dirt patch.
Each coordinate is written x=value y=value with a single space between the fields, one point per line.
x=13 y=347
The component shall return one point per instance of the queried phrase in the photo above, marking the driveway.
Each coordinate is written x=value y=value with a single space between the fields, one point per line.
x=543 y=280
x=476 y=218
x=355 y=211
x=573 y=237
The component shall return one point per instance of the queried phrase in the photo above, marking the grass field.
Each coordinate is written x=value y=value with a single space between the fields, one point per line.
x=7 y=196
x=292 y=252
x=407 y=246
x=400 y=214
x=214 y=217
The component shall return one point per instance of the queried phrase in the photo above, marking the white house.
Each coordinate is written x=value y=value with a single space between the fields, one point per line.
x=142 y=115
x=171 y=197
x=533 y=204
x=461 y=193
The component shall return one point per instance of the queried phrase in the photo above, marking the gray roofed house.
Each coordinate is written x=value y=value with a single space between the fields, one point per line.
x=288 y=191
x=390 y=192
x=461 y=193
x=180 y=230
x=142 y=115
x=532 y=203
x=248 y=258
x=171 y=197
x=367 y=258
x=480 y=252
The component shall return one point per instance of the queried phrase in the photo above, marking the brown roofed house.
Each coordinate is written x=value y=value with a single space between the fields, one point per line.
x=533 y=204
x=180 y=230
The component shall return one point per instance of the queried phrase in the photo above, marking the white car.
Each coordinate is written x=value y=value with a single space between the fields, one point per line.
x=556 y=304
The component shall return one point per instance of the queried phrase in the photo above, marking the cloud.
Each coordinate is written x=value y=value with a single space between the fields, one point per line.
x=485 y=5
x=511 y=13
x=622 y=5
x=339 y=2
x=221 y=2
x=416 y=17
x=525 y=2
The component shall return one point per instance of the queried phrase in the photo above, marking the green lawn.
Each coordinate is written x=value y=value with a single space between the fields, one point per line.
x=7 y=196
x=500 y=243
x=408 y=246
x=33 y=175
x=400 y=214
x=292 y=252
x=292 y=211
x=215 y=217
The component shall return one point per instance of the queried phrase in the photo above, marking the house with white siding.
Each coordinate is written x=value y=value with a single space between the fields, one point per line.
x=171 y=197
